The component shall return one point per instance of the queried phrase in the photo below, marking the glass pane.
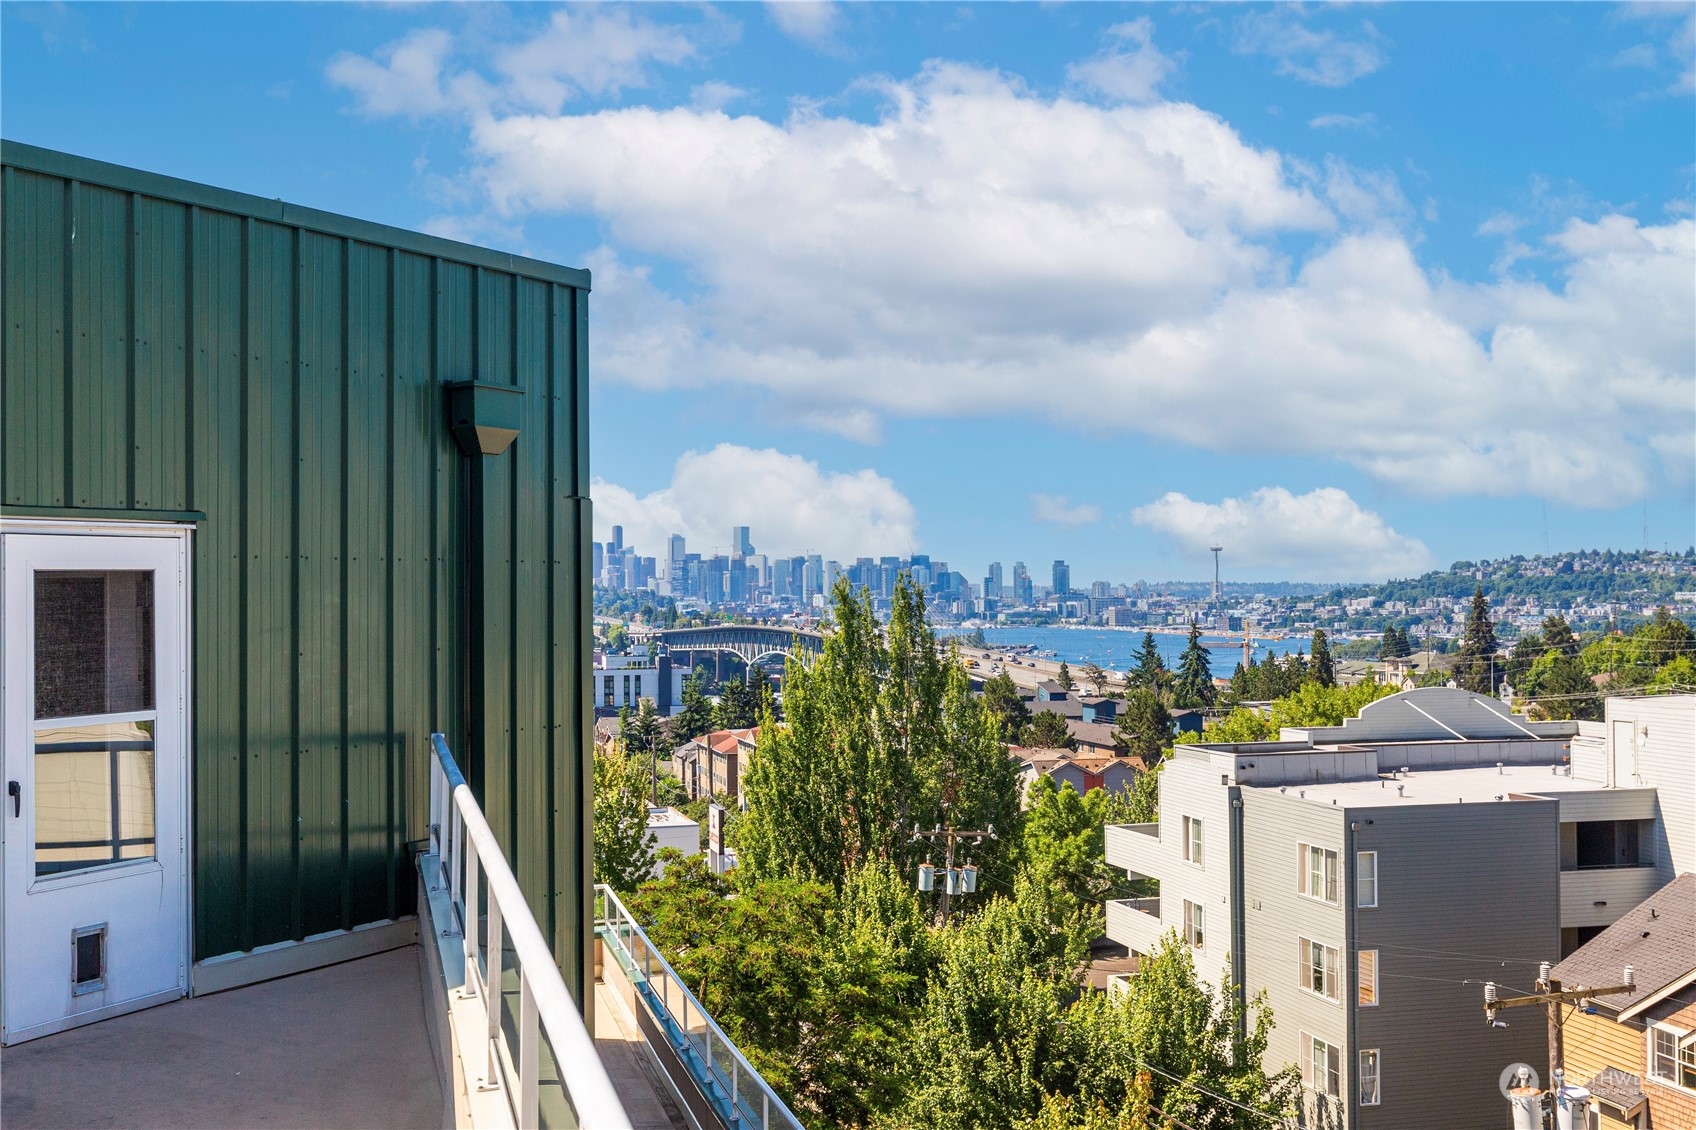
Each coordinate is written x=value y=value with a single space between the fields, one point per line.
x=94 y=795
x=93 y=643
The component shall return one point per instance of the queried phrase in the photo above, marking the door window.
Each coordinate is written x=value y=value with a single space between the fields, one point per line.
x=94 y=751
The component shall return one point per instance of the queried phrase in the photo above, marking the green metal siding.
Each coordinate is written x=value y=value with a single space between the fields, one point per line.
x=170 y=347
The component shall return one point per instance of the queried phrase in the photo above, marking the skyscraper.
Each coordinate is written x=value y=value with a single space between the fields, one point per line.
x=617 y=542
x=1062 y=578
x=674 y=553
x=992 y=581
x=740 y=546
x=1021 y=584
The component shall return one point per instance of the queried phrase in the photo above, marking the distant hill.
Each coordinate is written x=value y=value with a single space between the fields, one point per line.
x=1588 y=576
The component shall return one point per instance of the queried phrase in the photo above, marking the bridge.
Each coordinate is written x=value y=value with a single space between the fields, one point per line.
x=754 y=643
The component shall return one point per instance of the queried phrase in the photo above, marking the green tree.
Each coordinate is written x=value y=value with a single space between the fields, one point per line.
x=1478 y=665
x=624 y=851
x=1065 y=677
x=1148 y=670
x=643 y=731
x=1202 y=1054
x=738 y=706
x=1560 y=689
x=1145 y=727
x=1002 y=702
x=1677 y=674
x=1193 y=687
x=695 y=713
x=990 y=1043
x=1065 y=837
x=817 y=1008
x=1395 y=645
x=1666 y=638
x=1142 y=805
x=1527 y=650
x=1322 y=670
x=1047 y=730
x=882 y=734
x=1096 y=677
x=1558 y=634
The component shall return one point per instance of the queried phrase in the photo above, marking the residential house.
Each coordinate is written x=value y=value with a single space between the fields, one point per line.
x=1636 y=1053
x=1083 y=771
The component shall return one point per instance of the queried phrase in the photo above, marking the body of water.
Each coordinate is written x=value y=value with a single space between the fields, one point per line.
x=1116 y=648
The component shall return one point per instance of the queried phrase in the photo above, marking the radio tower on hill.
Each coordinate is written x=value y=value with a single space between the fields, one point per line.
x=1218 y=590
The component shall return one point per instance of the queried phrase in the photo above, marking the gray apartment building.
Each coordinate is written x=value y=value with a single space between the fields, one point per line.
x=1369 y=877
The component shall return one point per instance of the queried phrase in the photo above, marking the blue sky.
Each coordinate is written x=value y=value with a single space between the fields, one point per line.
x=1354 y=290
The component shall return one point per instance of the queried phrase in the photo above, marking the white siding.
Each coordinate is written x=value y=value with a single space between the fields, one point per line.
x=1663 y=733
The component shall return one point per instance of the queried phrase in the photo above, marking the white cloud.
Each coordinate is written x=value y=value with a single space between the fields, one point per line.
x=1129 y=69
x=1057 y=510
x=790 y=505
x=1323 y=535
x=1320 y=57
x=810 y=21
x=715 y=95
x=1344 y=121
x=979 y=249
x=405 y=78
x=593 y=49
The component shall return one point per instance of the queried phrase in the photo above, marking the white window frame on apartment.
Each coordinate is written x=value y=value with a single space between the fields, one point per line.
x=1366 y=863
x=1306 y=950
x=1368 y=1079
x=1331 y=1085
x=1324 y=859
x=1366 y=978
x=1195 y=924
x=1682 y=1057
x=1194 y=850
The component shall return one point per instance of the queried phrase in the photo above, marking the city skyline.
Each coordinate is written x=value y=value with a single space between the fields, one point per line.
x=1354 y=291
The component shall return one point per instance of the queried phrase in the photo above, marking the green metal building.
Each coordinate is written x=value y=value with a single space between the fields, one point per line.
x=365 y=451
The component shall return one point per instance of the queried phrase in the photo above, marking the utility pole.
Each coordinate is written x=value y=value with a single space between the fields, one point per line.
x=1553 y=999
x=955 y=880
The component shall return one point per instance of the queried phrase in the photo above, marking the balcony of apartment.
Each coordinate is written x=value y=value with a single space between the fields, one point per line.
x=1135 y=923
x=1132 y=847
x=469 y=1026
x=1607 y=867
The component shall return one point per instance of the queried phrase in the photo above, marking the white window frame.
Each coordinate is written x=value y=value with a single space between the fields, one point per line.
x=1195 y=924
x=1306 y=950
x=1331 y=1085
x=1327 y=860
x=1652 y=1059
x=1366 y=978
x=1194 y=844
x=1361 y=859
x=1373 y=1075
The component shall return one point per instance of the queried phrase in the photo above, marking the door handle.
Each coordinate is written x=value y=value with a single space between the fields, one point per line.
x=16 y=792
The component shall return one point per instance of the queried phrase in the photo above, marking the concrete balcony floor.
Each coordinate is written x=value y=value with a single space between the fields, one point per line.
x=344 y=1046
x=336 y=1047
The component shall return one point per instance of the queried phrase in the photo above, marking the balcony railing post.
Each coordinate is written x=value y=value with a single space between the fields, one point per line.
x=492 y=986
x=529 y=1036
x=468 y=919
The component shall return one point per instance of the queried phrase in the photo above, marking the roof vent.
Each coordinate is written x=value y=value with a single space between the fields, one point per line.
x=1400 y=789
x=1499 y=771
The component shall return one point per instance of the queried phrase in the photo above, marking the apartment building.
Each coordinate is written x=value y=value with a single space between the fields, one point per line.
x=1368 y=877
x=625 y=680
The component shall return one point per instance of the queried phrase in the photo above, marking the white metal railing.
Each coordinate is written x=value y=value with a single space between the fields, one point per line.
x=475 y=871
x=738 y=1094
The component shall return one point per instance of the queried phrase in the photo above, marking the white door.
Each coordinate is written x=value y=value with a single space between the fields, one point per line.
x=1623 y=763
x=94 y=668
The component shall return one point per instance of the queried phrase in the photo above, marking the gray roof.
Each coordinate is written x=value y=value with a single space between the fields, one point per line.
x=1434 y=714
x=1657 y=938
x=1617 y=1088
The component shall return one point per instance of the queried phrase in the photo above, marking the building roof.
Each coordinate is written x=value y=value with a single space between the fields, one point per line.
x=1619 y=1089
x=663 y=817
x=1094 y=733
x=1433 y=714
x=1052 y=687
x=1476 y=785
x=1657 y=938
x=1065 y=707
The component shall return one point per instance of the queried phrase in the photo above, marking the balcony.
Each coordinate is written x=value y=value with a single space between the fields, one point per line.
x=1597 y=896
x=1132 y=846
x=467 y=1024
x=1135 y=923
